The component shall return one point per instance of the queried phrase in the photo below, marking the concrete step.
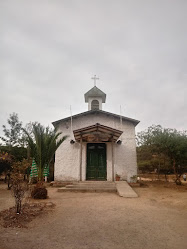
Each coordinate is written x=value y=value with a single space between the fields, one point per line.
x=93 y=183
x=89 y=190
x=121 y=187
x=60 y=184
x=65 y=183
x=90 y=187
x=125 y=190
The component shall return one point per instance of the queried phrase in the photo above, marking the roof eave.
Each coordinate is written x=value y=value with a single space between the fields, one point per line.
x=95 y=96
x=134 y=121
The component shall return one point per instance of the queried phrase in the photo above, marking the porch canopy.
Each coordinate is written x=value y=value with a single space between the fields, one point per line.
x=97 y=133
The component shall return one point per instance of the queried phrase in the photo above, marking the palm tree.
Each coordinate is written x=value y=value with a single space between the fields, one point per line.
x=43 y=143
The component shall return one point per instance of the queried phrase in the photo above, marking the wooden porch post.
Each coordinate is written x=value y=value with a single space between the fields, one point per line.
x=81 y=158
x=112 y=159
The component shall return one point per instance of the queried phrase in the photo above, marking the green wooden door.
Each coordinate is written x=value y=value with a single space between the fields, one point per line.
x=96 y=161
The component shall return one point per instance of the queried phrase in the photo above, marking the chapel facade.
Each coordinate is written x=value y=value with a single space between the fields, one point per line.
x=100 y=144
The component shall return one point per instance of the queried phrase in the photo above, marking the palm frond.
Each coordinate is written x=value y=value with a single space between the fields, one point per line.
x=43 y=145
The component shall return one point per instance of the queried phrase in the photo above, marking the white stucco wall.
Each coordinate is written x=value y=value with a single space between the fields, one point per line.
x=90 y=99
x=67 y=159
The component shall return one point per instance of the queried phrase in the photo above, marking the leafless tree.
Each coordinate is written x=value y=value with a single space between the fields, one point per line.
x=19 y=185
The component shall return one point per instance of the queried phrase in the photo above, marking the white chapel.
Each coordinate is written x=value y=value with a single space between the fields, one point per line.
x=100 y=145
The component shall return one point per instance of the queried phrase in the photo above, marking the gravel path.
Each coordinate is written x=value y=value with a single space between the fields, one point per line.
x=155 y=220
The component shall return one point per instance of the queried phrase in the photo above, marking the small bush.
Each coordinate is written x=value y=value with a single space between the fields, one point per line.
x=39 y=192
x=19 y=185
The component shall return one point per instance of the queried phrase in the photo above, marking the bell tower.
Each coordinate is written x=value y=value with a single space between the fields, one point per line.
x=95 y=97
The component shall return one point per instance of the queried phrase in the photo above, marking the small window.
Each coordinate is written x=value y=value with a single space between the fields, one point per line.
x=95 y=105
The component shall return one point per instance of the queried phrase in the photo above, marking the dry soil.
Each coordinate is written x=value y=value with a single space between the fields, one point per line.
x=155 y=220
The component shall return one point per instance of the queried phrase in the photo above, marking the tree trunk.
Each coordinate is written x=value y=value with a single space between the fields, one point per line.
x=166 y=177
x=28 y=152
x=18 y=206
x=177 y=181
x=165 y=169
x=159 y=169
x=9 y=182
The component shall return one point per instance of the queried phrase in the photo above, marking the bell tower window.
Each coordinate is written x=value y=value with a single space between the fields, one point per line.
x=95 y=105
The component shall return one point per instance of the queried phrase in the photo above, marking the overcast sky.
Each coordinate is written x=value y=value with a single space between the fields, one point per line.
x=51 y=49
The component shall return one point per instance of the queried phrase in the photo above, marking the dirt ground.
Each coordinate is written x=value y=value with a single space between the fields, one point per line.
x=157 y=219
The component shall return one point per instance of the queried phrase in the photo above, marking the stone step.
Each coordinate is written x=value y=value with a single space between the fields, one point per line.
x=95 y=183
x=60 y=184
x=65 y=183
x=91 y=186
x=90 y=190
x=121 y=187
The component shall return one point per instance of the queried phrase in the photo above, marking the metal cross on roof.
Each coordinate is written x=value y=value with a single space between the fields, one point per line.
x=95 y=78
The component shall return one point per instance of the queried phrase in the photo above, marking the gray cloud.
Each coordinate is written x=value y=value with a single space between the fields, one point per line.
x=51 y=49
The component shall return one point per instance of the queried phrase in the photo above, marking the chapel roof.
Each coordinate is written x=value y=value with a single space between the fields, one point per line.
x=134 y=121
x=95 y=92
